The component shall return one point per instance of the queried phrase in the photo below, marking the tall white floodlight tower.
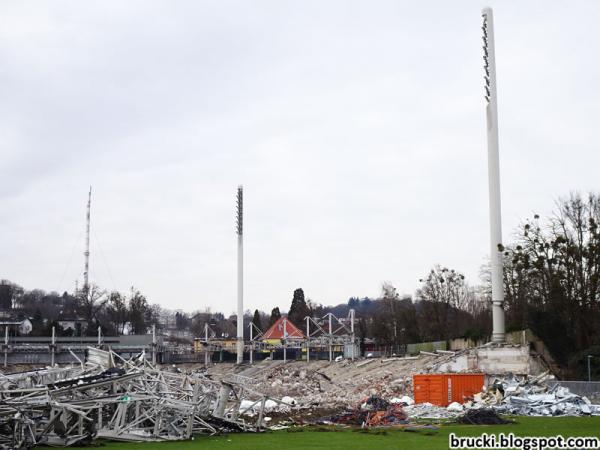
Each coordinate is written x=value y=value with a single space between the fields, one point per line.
x=489 y=59
x=240 y=275
x=86 y=271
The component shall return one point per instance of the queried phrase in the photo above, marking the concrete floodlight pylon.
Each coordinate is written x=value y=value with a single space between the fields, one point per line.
x=240 y=275
x=496 y=248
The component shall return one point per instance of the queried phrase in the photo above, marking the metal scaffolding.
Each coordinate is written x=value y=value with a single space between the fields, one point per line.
x=331 y=331
x=109 y=397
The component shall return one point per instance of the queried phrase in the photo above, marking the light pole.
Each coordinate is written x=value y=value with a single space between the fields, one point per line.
x=498 y=334
x=240 y=276
x=589 y=357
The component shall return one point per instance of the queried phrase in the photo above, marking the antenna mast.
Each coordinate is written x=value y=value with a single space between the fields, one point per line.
x=86 y=271
x=496 y=249
x=240 y=275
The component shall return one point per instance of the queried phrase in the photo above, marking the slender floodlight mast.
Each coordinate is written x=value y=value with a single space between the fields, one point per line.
x=86 y=271
x=240 y=275
x=489 y=58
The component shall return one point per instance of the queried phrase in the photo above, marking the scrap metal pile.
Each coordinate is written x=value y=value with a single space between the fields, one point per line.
x=125 y=400
x=512 y=395
x=531 y=396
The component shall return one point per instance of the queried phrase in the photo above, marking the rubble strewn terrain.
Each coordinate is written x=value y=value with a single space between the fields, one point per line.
x=133 y=400
x=324 y=385
x=320 y=386
x=113 y=398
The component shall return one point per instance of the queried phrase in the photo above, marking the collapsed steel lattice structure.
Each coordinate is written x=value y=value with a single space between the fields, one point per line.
x=112 y=398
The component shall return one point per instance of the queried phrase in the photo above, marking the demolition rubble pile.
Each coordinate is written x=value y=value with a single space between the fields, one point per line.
x=320 y=385
x=325 y=385
x=333 y=388
x=531 y=396
x=124 y=400
x=429 y=411
x=526 y=396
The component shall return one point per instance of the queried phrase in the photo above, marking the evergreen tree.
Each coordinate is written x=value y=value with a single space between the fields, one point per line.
x=256 y=320
x=299 y=309
x=275 y=314
x=37 y=323
x=138 y=312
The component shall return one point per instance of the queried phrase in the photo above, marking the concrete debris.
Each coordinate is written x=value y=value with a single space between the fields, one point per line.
x=290 y=401
x=319 y=385
x=454 y=407
x=429 y=411
x=112 y=398
x=322 y=388
x=404 y=400
x=364 y=363
x=251 y=408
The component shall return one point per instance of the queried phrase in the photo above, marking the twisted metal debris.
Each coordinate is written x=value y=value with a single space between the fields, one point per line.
x=531 y=396
x=122 y=400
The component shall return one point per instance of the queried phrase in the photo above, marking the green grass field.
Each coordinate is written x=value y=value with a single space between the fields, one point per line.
x=332 y=438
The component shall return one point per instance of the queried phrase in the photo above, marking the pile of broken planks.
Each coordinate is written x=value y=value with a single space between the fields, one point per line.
x=108 y=397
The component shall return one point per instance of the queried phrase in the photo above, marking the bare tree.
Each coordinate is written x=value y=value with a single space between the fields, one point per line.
x=91 y=300
x=446 y=291
x=552 y=275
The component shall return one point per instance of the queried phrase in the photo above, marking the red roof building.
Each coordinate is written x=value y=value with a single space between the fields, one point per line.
x=277 y=330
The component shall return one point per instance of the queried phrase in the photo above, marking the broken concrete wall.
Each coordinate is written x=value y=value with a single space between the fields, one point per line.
x=463 y=344
x=492 y=360
x=504 y=360
x=415 y=349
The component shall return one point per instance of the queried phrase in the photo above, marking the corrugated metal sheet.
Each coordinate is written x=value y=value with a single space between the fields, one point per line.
x=444 y=388
x=100 y=357
x=351 y=350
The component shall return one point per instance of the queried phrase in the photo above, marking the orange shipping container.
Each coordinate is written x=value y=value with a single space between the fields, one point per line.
x=444 y=388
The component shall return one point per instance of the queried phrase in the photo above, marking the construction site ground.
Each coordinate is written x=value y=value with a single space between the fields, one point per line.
x=334 y=438
x=365 y=403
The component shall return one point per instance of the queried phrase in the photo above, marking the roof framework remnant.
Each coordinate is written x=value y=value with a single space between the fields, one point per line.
x=119 y=399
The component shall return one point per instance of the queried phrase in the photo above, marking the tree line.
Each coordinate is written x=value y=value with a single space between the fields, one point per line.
x=552 y=280
x=114 y=312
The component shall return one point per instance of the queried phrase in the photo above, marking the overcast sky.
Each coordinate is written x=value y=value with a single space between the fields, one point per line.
x=357 y=129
